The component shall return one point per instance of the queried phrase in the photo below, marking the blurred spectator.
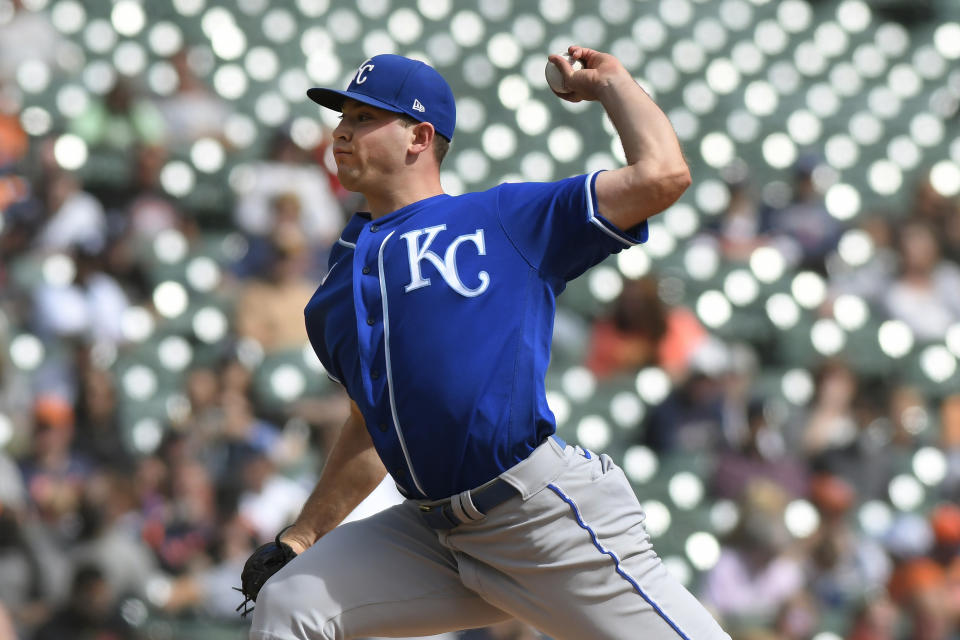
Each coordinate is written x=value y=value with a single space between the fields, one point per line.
x=110 y=535
x=870 y=280
x=24 y=586
x=183 y=526
x=945 y=524
x=851 y=433
x=804 y=228
x=831 y=423
x=918 y=583
x=844 y=565
x=925 y=295
x=121 y=121
x=908 y=418
x=940 y=212
x=641 y=330
x=13 y=147
x=99 y=435
x=148 y=208
x=89 y=305
x=241 y=426
x=287 y=170
x=53 y=474
x=150 y=481
x=876 y=619
x=739 y=380
x=798 y=618
x=919 y=586
x=762 y=454
x=738 y=229
x=756 y=573
x=238 y=431
x=91 y=613
x=209 y=590
x=695 y=416
x=285 y=212
x=907 y=538
x=235 y=377
x=194 y=111
x=270 y=501
x=73 y=216
x=202 y=388
x=270 y=310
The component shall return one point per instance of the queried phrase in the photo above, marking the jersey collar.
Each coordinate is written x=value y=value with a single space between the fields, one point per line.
x=398 y=215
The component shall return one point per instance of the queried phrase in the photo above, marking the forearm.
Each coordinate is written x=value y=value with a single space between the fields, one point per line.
x=352 y=471
x=645 y=131
x=656 y=173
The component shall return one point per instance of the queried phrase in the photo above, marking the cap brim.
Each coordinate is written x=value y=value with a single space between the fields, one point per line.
x=333 y=99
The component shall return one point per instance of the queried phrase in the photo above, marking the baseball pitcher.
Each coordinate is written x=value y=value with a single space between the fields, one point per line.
x=436 y=316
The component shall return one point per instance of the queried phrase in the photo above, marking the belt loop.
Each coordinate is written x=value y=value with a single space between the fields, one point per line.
x=471 y=510
x=456 y=505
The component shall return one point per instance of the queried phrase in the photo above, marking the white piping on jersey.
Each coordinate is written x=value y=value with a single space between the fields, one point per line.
x=323 y=280
x=386 y=354
x=349 y=245
x=595 y=220
x=333 y=378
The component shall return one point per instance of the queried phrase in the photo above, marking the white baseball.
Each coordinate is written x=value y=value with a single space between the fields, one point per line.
x=555 y=78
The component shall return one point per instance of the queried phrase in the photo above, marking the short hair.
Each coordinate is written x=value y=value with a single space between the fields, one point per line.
x=440 y=144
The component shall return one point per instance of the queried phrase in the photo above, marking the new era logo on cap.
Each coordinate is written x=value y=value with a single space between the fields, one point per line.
x=396 y=84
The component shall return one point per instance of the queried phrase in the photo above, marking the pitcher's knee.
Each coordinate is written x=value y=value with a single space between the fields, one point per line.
x=288 y=611
x=274 y=615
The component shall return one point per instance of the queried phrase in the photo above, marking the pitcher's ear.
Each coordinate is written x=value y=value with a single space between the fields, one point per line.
x=423 y=136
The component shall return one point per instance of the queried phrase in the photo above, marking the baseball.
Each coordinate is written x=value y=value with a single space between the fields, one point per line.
x=555 y=78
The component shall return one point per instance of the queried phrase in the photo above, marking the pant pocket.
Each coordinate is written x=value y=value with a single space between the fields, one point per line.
x=602 y=465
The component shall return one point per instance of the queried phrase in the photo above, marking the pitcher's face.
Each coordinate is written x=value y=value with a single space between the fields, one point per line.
x=369 y=145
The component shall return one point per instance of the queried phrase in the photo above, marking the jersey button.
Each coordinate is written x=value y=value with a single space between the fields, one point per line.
x=365 y=271
x=374 y=228
x=382 y=426
x=375 y=375
x=371 y=321
x=399 y=472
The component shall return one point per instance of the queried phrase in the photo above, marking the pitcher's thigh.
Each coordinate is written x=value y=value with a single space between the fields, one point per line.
x=590 y=570
x=626 y=592
x=382 y=576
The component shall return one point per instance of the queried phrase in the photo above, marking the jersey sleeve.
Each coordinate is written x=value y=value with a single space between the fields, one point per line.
x=557 y=227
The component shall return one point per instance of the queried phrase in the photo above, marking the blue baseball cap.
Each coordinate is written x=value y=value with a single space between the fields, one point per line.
x=400 y=85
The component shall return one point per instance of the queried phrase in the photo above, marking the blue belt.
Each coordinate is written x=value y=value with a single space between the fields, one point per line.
x=442 y=516
x=485 y=498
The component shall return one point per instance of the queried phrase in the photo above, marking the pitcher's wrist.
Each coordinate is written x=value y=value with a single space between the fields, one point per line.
x=614 y=84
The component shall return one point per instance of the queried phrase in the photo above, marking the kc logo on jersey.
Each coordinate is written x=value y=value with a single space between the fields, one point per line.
x=447 y=266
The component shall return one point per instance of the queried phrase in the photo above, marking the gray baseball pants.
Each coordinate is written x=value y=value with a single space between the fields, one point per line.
x=569 y=555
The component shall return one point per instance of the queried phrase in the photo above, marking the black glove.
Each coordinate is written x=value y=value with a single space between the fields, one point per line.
x=262 y=563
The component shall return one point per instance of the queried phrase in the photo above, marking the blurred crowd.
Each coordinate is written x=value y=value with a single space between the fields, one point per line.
x=106 y=532
x=875 y=573
x=102 y=531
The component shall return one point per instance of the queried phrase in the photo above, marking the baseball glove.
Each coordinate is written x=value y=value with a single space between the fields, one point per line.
x=262 y=563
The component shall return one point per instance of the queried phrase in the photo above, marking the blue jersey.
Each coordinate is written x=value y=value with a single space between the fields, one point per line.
x=438 y=319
